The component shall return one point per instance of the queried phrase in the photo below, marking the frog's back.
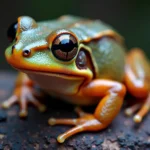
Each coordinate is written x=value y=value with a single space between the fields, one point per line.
x=85 y=29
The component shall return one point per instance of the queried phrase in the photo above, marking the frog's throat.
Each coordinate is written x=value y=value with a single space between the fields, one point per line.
x=57 y=82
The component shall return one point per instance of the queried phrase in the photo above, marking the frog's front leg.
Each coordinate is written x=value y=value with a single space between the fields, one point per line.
x=137 y=81
x=112 y=94
x=23 y=94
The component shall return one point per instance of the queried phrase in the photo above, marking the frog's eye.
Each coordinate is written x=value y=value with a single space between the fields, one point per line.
x=11 y=32
x=26 y=23
x=64 y=47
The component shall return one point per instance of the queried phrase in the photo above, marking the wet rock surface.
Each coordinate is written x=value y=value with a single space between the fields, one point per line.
x=34 y=133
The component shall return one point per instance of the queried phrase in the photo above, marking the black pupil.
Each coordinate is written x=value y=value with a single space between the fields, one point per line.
x=11 y=32
x=66 y=45
x=26 y=51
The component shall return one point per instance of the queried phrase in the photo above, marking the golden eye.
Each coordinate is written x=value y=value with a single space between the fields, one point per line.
x=64 y=47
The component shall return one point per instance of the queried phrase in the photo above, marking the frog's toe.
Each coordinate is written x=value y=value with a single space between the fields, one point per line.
x=137 y=118
x=54 y=121
x=29 y=99
x=85 y=123
x=9 y=102
x=23 y=96
x=41 y=107
x=128 y=112
x=131 y=110
x=68 y=121
x=5 y=105
x=23 y=113
x=142 y=111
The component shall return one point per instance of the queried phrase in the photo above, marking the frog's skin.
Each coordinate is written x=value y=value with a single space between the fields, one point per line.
x=84 y=62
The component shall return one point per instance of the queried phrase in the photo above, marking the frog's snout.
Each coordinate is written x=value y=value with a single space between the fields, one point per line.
x=24 y=52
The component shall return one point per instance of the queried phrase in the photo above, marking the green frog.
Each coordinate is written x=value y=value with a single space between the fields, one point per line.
x=79 y=60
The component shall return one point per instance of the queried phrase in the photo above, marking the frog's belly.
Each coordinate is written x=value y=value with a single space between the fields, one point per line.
x=57 y=83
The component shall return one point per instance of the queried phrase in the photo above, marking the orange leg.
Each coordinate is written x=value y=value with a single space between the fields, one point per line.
x=112 y=93
x=23 y=94
x=137 y=79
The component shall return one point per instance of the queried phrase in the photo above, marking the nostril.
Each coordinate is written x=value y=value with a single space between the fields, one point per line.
x=13 y=47
x=26 y=52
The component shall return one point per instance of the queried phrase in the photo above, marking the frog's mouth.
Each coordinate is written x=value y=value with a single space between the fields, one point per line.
x=57 y=82
x=61 y=75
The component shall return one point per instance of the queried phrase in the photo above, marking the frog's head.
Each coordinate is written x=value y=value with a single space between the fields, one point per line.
x=38 y=49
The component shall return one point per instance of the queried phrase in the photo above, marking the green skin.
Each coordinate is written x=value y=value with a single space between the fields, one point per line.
x=109 y=56
x=106 y=54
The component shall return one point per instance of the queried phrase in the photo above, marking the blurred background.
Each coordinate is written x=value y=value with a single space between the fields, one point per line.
x=130 y=17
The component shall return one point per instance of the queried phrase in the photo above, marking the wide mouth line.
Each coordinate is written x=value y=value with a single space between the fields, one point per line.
x=51 y=73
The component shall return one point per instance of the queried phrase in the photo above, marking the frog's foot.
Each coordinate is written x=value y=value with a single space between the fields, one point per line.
x=85 y=122
x=106 y=110
x=142 y=110
x=23 y=95
x=137 y=79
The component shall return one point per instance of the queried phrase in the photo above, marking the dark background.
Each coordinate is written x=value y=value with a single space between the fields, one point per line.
x=130 y=17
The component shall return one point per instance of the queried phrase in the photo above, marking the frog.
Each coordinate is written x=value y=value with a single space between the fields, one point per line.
x=82 y=61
